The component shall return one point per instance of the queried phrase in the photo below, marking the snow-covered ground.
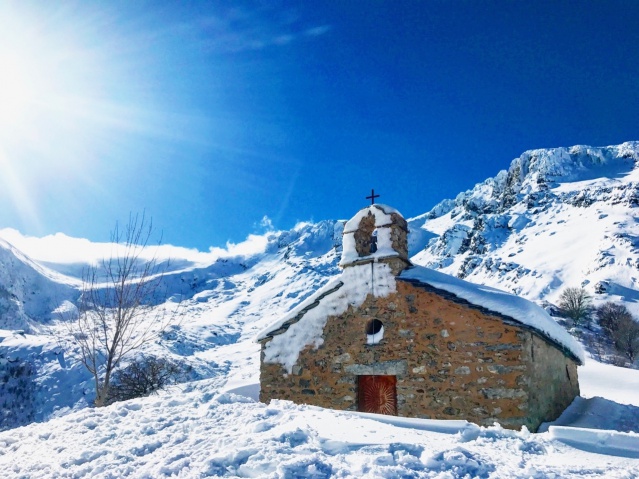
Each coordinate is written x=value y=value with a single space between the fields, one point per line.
x=216 y=428
x=203 y=430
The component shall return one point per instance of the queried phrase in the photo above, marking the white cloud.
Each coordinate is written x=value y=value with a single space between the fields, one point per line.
x=317 y=31
x=62 y=249
x=254 y=244
x=266 y=223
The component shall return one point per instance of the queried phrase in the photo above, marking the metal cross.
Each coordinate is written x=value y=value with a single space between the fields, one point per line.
x=372 y=196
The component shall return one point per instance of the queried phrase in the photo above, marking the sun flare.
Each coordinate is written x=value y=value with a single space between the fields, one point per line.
x=43 y=73
x=18 y=89
x=84 y=97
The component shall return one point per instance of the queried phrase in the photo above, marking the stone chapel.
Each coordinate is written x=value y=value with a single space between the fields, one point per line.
x=389 y=337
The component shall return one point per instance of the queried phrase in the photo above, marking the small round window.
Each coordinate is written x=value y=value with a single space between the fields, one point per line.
x=374 y=331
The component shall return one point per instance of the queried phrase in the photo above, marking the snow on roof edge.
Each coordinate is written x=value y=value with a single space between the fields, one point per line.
x=519 y=309
x=304 y=326
x=325 y=290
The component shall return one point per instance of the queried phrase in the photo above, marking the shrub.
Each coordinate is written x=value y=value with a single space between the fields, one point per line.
x=609 y=314
x=619 y=325
x=143 y=377
x=626 y=337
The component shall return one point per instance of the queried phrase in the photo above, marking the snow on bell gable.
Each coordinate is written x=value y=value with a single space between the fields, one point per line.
x=389 y=337
x=377 y=233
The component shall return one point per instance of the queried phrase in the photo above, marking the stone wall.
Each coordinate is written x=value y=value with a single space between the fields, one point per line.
x=399 y=235
x=552 y=386
x=452 y=361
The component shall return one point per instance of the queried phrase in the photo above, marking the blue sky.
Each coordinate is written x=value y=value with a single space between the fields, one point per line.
x=213 y=115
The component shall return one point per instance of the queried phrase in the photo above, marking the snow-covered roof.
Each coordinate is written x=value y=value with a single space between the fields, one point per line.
x=515 y=307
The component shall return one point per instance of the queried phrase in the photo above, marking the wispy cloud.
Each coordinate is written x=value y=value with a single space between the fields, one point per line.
x=237 y=29
x=266 y=224
x=317 y=31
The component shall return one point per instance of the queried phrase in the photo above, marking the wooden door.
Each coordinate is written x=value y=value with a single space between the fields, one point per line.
x=377 y=394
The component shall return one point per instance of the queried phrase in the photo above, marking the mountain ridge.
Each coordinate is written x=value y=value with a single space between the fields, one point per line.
x=484 y=234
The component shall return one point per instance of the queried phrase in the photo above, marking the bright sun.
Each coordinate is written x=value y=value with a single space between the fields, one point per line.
x=18 y=89
x=73 y=103
x=28 y=54
x=46 y=71
x=42 y=71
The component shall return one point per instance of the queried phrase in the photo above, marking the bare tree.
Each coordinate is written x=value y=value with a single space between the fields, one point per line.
x=618 y=324
x=626 y=337
x=610 y=314
x=575 y=304
x=116 y=313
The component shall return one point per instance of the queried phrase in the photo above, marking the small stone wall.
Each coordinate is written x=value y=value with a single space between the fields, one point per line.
x=399 y=235
x=363 y=235
x=451 y=362
x=552 y=387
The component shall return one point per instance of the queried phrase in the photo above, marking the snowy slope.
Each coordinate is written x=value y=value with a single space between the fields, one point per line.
x=29 y=292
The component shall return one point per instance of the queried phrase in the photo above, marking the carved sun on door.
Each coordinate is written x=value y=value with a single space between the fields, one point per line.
x=377 y=394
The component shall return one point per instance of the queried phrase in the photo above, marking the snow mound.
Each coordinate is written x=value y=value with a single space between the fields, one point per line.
x=598 y=413
x=624 y=444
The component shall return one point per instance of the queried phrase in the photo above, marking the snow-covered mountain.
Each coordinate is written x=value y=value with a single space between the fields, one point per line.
x=556 y=218
x=29 y=292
